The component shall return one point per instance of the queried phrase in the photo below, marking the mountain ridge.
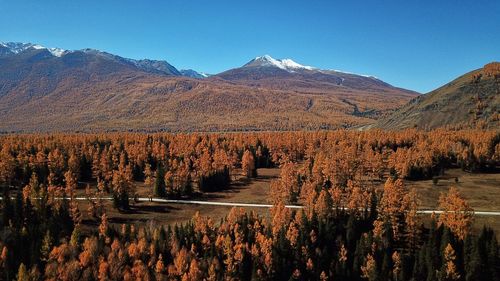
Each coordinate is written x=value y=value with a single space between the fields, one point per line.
x=265 y=71
x=163 y=67
x=91 y=90
x=148 y=65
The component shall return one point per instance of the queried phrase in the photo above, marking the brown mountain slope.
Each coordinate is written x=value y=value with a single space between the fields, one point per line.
x=471 y=100
x=179 y=104
x=261 y=73
x=83 y=92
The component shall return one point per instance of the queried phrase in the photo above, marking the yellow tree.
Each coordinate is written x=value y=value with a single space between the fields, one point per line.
x=248 y=164
x=194 y=271
x=286 y=188
x=358 y=199
x=292 y=234
x=308 y=197
x=369 y=269
x=22 y=274
x=280 y=217
x=262 y=252
x=148 y=175
x=140 y=271
x=456 y=213
x=324 y=204
x=181 y=263
x=74 y=164
x=104 y=228
x=71 y=184
x=396 y=269
x=412 y=220
x=7 y=165
x=391 y=208
x=221 y=160
x=450 y=268
x=160 y=266
x=103 y=270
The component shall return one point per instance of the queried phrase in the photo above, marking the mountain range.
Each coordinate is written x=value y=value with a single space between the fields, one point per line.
x=147 y=65
x=52 y=89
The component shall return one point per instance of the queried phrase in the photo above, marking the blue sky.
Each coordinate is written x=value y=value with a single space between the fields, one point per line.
x=418 y=45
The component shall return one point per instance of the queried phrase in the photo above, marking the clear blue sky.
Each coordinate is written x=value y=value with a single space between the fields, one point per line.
x=417 y=45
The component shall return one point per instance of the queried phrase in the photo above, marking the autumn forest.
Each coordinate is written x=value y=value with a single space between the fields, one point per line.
x=341 y=207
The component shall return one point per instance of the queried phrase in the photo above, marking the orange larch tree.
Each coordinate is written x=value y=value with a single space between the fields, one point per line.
x=457 y=214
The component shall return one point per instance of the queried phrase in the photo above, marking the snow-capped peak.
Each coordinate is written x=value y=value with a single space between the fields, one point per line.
x=16 y=48
x=58 y=52
x=286 y=64
x=291 y=66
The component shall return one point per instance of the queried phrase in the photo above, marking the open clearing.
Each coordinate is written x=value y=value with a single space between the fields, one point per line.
x=241 y=191
x=481 y=190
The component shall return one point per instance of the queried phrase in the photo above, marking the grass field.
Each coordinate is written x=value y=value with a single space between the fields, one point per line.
x=482 y=191
x=241 y=191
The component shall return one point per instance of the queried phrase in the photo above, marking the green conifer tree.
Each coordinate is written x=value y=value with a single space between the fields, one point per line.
x=159 y=186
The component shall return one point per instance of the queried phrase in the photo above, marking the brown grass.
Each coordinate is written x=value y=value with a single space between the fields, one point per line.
x=481 y=190
x=241 y=191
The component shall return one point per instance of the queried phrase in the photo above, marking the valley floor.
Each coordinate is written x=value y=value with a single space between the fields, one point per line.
x=482 y=191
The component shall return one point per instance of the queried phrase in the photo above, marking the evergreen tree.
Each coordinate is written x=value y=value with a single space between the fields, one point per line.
x=472 y=260
x=46 y=246
x=159 y=186
x=75 y=237
x=7 y=208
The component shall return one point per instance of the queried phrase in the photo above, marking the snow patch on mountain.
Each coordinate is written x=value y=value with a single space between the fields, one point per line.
x=292 y=66
x=193 y=73
x=57 y=52
x=286 y=64
x=17 y=47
